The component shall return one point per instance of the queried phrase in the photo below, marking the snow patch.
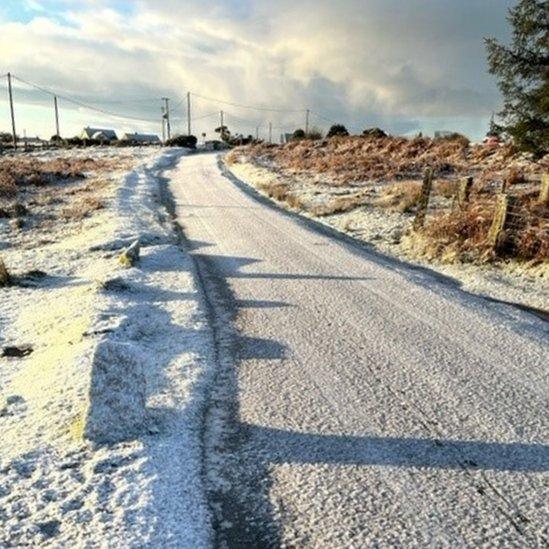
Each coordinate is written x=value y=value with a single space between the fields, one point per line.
x=101 y=422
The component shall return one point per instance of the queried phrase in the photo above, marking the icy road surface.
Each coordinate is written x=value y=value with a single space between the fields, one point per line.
x=360 y=402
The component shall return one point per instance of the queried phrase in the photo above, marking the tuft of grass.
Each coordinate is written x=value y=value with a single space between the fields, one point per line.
x=446 y=188
x=340 y=204
x=278 y=191
x=8 y=184
x=294 y=201
x=400 y=197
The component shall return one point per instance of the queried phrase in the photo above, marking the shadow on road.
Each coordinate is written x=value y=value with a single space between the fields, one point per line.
x=243 y=455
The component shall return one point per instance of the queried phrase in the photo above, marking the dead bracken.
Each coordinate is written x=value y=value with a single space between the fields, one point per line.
x=384 y=172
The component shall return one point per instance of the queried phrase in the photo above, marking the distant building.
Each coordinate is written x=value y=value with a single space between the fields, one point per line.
x=98 y=134
x=141 y=138
x=440 y=134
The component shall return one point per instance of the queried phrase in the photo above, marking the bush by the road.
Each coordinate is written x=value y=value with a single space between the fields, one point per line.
x=187 y=141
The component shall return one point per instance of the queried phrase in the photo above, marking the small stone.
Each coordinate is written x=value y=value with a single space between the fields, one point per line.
x=15 y=399
x=117 y=284
x=17 y=351
x=50 y=528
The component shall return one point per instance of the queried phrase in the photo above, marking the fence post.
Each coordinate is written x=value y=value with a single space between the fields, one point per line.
x=464 y=191
x=544 y=191
x=499 y=220
x=423 y=201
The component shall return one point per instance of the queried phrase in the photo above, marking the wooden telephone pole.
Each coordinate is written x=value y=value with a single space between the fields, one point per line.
x=307 y=123
x=167 y=116
x=188 y=113
x=10 y=93
x=56 y=116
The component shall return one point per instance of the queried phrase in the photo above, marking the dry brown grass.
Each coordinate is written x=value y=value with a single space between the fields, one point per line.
x=446 y=188
x=278 y=191
x=82 y=208
x=401 y=162
x=462 y=233
x=294 y=201
x=358 y=159
x=8 y=185
x=340 y=204
x=23 y=171
x=400 y=197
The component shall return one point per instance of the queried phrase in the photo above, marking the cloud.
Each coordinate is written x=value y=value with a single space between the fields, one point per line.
x=382 y=61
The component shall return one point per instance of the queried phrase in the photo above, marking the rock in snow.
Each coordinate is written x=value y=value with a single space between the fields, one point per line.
x=130 y=256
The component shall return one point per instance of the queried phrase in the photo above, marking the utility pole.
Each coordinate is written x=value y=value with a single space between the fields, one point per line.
x=167 y=116
x=257 y=133
x=270 y=132
x=221 y=127
x=307 y=123
x=10 y=93
x=188 y=113
x=56 y=116
x=163 y=124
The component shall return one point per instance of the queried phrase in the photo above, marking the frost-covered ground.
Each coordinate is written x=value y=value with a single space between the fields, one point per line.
x=386 y=231
x=101 y=423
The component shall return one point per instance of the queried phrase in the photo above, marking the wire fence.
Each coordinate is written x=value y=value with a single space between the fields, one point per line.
x=509 y=213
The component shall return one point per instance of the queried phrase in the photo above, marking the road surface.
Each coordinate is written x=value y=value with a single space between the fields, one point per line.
x=360 y=401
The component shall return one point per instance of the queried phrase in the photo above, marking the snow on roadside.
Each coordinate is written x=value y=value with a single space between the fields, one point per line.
x=146 y=328
x=384 y=230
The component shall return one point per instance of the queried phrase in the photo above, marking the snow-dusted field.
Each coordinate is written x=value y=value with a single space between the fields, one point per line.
x=386 y=231
x=101 y=423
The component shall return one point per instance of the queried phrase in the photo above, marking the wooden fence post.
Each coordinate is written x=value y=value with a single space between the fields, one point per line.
x=499 y=220
x=464 y=191
x=423 y=202
x=544 y=190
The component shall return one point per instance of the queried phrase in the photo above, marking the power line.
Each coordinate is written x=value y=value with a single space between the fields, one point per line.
x=81 y=103
x=175 y=108
x=193 y=118
x=322 y=117
x=251 y=107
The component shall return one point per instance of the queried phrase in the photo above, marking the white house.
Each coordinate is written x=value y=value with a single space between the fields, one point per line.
x=141 y=138
x=99 y=134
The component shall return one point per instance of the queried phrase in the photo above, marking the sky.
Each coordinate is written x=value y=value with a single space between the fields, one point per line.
x=407 y=66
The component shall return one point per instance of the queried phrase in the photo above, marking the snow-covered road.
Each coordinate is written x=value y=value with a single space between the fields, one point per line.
x=360 y=402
